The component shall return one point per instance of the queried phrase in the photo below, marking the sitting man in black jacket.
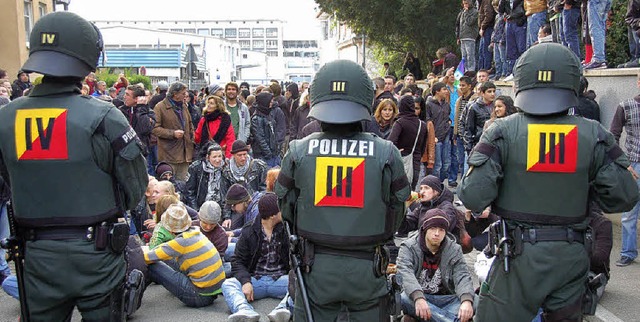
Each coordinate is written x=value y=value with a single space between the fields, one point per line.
x=260 y=265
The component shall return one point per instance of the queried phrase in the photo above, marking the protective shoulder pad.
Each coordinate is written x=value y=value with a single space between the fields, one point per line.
x=487 y=149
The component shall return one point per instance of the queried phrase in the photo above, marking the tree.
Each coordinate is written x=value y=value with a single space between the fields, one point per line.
x=400 y=26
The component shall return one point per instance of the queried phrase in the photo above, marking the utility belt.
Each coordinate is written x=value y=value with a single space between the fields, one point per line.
x=379 y=257
x=113 y=235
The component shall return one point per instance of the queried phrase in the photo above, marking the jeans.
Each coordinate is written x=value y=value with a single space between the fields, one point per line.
x=4 y=233
x=179 y=284
x=534 y=22
x=262 y=288
x=556 y=28
x=455 y=160
x=152 y=160
x=461 y=153
x=629 y=226
x=597 y=11
x=634 y=44
x=515 y=42
x=273 y=162
x=499 y=53
x=10 y=286
x=443 y=158
x=484 y=61
x=468 y=50
x=571 y=20
x=444 y=308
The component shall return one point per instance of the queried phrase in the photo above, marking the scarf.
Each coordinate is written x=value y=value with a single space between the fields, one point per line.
x=213 y=190
x=225 y=122
x=239 y=172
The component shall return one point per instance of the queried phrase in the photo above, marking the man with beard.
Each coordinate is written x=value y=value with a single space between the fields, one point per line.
x=240 y=117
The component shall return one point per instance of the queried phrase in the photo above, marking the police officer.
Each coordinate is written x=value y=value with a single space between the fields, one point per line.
x=536 y=169
x=74 y=164
x=343 y=192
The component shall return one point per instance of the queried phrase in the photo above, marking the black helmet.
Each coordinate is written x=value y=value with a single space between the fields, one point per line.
x=341 y=93
x=547 y=79
x=63 y=44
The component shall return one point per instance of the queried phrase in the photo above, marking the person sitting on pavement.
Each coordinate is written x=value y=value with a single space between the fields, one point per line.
x=198 y=275
x=436 y=281
x=208 y=221
x=205 y=177
x=260 y=265
x=143 y=212
x=164 y=172
x=160 y=233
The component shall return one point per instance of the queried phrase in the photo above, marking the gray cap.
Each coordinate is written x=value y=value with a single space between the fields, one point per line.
x=163 y=85
x=210 y=212
x=214 y=88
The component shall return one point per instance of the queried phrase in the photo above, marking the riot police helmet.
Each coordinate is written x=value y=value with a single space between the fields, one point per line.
x=546 y=79
x=63 y=44
x=341 y=93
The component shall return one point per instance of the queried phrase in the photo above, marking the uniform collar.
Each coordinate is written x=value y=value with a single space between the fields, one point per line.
x=47 y=89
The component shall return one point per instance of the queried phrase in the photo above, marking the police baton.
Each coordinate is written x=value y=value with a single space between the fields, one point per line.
x=15 y=247
x=295 y=262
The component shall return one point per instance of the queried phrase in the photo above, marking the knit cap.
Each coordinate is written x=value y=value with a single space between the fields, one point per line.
x=435 y=218
x=210 y=212
x=238 y=146
x=268 y=205
x=264 y=99
x=176 y=218
x=433 y=182
x=213 y=88
x=162 y=168
x=237 y=194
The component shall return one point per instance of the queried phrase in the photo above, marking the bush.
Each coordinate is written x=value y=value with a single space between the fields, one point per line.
x=111 y=78
x=617 y=43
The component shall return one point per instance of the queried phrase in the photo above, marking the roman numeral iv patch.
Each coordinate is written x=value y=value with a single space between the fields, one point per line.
x=41 y=134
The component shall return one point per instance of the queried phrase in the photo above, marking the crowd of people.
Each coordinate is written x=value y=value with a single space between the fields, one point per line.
x=209 y=224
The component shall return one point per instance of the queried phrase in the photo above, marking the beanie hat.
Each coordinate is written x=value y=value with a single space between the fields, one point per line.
x=176 y=218
x=210 y=212
x=213 y=88
x=435 y=218
x=433 y=182
x=268 y=205
x=264 y=99
x=237 y=194
x=162 y=168
x=238 y=146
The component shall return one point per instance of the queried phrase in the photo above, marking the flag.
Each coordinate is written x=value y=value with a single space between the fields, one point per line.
x=459 y=73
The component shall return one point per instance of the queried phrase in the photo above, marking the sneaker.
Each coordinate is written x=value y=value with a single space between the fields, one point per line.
x=596 y=65
x=508 y=78
x=624 y=261
x=630 y=64
x=244 y=316
x=279 y=315
x=453 y=184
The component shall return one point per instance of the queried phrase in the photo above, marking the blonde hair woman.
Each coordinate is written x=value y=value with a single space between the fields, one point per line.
x=218 y=127
x=385 y=114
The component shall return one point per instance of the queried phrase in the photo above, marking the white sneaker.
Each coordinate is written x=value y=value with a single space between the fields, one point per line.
x=508 y=78
x=244 y=316
x=279 y=315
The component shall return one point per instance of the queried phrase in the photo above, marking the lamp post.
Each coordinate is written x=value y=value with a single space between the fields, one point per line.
x=364 y=49
x=354 y=41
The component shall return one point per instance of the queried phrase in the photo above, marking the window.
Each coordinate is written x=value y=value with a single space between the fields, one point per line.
x=272 y=44
x=244 y=33
x=272 y=32
x=145 y=46
x=28 y=18
x=258 y=32
x=175 y=46
x=190 y=31
x=203 y=32
x=288 y=54
x=176 y=30
x=230 y=33
x=272 y=53
x=216 y=32
x=128 y=46
x=245 y=44
x=258 y=44
x=42 y=9
x=107 y=47
x=244 y=56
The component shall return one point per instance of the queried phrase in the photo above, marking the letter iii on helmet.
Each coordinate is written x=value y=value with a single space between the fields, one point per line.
x=63 y=44
x=341 y=93
x=547 y=79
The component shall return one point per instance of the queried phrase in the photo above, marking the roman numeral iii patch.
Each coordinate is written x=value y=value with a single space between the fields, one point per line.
x=338 y=87
x=552 y=148
x=339 y=182
x=545 y=76
x=49 y=38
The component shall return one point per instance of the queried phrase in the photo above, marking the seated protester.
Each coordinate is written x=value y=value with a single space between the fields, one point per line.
x=587 y=105
x=272 y=176
x=205 y=176
x=161 y=233
x=263 y=140
x=164 y=172
x=243 y=170
x=218 y=127
x=10 y=286
x=143 y=212
x=260 y=265
x=432 y=195
x=197 y=278
x=244 y=208
x=436 y=281
x=208 y=221
x=479 y=113
x=602 y=234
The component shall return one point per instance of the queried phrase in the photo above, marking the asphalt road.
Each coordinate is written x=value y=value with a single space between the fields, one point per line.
x=620 y=302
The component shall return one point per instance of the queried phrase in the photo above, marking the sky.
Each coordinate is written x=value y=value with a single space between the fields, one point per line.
x=299 y=14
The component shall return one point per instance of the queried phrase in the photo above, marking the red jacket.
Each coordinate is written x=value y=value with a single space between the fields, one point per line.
x=226 y=142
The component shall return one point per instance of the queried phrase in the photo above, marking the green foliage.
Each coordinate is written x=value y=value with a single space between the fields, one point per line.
x=111 y=77
x=135 y=79
x=617 y=43
x=399 y=26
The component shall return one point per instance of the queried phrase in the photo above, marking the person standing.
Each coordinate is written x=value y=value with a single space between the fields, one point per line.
x=89 y=168
x=240 y=117
x=174 y=130
x=627 y=117
x=632 y=19
x=466 y=33
x=542 y=197
x=324 y=197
